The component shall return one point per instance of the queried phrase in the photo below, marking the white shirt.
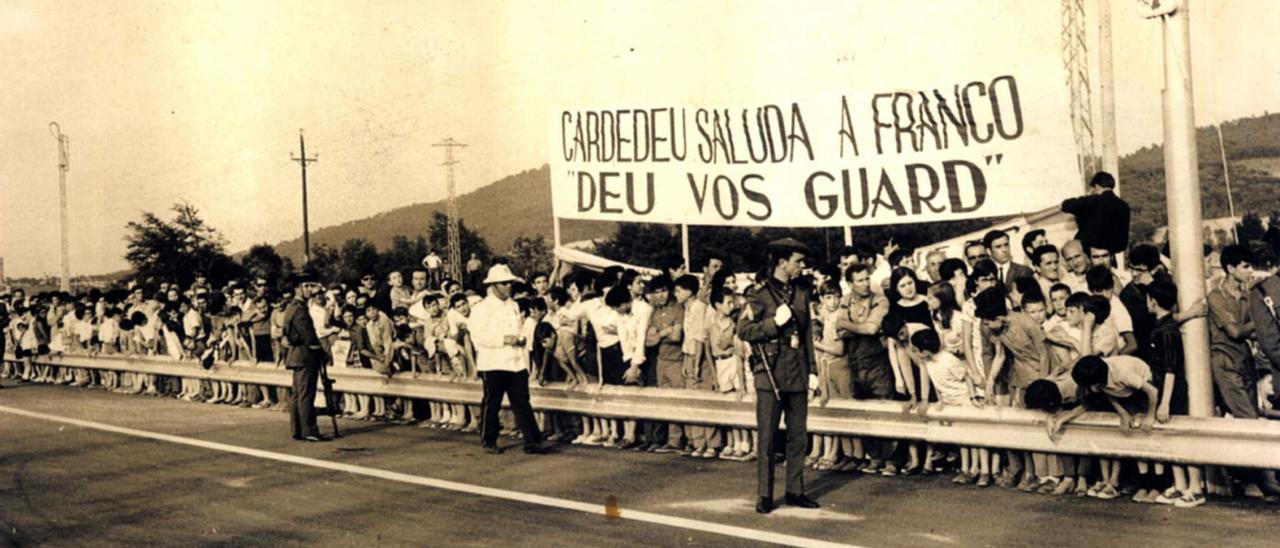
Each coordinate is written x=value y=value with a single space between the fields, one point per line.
x=320 y=319
x=457 y=322
x=947 y=373
x=1119 y=317
x=492 y=320
x=599 y=315
x=635 y=325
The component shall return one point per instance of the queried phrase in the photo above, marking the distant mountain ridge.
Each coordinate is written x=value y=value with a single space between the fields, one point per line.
x=516 y=205
x=521 y=203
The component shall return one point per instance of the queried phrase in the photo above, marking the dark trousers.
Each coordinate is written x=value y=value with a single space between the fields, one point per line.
x=516 y=387
x=302 y=401
x=768 y=412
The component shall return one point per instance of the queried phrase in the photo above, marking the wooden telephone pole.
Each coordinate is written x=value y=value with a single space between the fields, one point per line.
x=306 y=227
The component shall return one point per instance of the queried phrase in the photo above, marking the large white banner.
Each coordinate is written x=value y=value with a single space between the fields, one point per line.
x=995 y=145
x=970 y=119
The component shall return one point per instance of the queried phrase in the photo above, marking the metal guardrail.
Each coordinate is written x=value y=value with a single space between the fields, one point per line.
x=1191 y=440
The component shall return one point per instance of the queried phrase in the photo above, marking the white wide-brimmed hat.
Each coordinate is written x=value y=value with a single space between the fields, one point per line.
x=500 y=273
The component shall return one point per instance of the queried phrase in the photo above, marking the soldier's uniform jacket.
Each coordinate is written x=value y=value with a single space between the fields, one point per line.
x=300 y=334
x=791 y=365
x=1264 y=308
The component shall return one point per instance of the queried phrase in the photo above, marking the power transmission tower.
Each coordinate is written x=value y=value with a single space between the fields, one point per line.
x=306 y=227
x=1075 y=61
x=455 y=245
x=64 y=165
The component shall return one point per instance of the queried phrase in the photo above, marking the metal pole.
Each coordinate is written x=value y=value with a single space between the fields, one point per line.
x=848 y=236
x=64 y=165
x=306 y=222
x=1182 y=189
x=306 y=226
x=1107 y=90
x=684 y=247
x=1226 y=174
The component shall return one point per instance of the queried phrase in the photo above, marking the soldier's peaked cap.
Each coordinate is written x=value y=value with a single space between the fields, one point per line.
x=789 y=244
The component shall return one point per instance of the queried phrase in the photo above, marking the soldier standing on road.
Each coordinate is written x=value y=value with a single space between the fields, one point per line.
x=776 y=324
x=303 y=356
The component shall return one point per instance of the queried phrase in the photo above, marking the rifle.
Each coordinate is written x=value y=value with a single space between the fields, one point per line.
x=758 y=350
x=330 y=399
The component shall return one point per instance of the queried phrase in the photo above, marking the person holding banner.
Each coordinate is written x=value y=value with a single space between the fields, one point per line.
x=776 y=324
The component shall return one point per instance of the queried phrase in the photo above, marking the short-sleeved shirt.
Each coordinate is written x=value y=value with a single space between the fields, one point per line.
x=721 y=331
x=947 y=373
x=1119 y=317
x=1067 y=388
x=662 y=318
x=695 y=325
x=830 y=332
x=1106 y=341
x=871 y=309
x=1125 y=375
x=1164 y=354
x=1024 y=339
x=1227 y=306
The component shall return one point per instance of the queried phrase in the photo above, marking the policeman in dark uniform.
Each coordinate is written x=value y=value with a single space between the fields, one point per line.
x=776 y=324
x=303 y=356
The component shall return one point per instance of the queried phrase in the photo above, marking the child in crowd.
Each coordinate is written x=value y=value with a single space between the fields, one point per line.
x=565 y=335
x=704 y=441
x=1059 y=395
x=727 y=353
x=1125 y=383
x=1018 y=336
x=953 y=381
x=834 y=375
x=1168 y=369
x=343 y=358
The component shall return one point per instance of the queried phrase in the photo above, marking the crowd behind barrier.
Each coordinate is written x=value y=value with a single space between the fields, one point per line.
x=1215 y=441
x=1074 y=332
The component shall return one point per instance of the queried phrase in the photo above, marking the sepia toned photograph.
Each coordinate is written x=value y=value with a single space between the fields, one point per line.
x=990 y=273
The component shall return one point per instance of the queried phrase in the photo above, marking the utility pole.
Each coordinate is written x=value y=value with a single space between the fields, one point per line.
x=455 y=244
x=1107 y=89
x=64 y=165
x=306 y=227
x=1182 y=188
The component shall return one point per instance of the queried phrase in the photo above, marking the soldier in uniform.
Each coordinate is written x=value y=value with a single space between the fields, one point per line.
x=776 y=325
x=303 y=356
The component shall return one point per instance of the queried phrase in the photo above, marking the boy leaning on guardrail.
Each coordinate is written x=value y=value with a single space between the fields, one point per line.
x=1125 y=382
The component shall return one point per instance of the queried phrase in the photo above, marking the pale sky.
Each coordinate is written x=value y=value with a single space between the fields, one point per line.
x=202 y=101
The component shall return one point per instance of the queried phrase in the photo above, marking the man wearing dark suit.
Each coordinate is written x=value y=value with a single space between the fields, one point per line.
x=1102 y=218
x=303 y=356
x=997 y=242
x=776 y=323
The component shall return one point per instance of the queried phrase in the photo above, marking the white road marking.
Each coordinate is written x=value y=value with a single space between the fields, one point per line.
x=517 y=496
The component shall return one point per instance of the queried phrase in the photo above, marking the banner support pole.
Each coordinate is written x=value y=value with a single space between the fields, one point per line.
x=684 y=246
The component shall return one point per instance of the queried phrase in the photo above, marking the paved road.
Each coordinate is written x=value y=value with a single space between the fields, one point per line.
x=71 y=484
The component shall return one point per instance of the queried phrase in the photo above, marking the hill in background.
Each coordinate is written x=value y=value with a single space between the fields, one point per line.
x=521 y=204
x=516 y=205
x=1253 y=157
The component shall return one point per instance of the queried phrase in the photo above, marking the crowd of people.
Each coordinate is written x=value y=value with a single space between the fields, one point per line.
x=1078 y=329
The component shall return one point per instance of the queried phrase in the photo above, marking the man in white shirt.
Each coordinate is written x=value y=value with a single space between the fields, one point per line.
x=502 y=362
x=433 y=263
